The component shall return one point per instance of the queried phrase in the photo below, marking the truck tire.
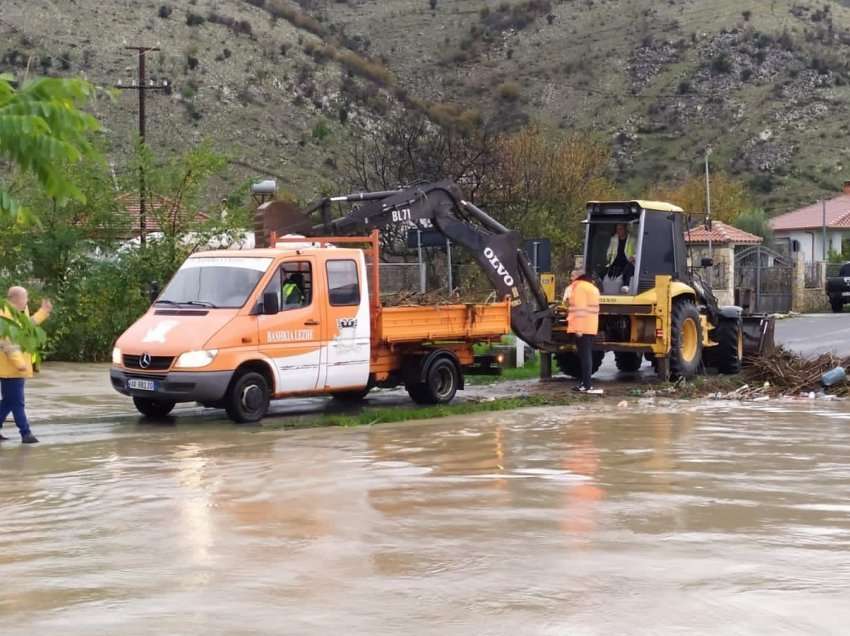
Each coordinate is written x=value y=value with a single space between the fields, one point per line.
x=570 y=365
x=685 y=340
x=628 y=361
x=837 y=305
x=153 y=408
x=442 y=380
x=247 y=399
x=351 y=396
x=728 y=354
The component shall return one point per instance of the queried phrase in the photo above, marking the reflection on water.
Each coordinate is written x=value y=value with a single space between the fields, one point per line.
x=709 y=519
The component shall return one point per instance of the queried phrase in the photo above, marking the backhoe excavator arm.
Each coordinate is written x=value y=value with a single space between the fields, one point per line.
x=441 y=206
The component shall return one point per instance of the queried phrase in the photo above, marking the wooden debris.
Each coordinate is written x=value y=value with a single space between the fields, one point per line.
x=787 y=373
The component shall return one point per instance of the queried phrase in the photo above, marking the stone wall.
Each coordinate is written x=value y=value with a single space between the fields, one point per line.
x=807 y=300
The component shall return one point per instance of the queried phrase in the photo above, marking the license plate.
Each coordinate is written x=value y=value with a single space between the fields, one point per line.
x=141 y=385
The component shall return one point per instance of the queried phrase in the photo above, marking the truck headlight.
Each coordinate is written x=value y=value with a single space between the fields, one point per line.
x=196 y=359
x=116 y=356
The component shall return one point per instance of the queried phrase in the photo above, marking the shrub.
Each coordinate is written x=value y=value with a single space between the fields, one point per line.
x=747 y=14
x=164 y=11
x=509 y=91
x=684 y=87
x=193 y=19
x=721 y=64
x=321 y=130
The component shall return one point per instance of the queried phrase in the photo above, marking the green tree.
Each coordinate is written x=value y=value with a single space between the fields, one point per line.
x=42 y=130
x=755 y=221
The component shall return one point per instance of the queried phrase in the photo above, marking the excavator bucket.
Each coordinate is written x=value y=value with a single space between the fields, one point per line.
x=758 y=335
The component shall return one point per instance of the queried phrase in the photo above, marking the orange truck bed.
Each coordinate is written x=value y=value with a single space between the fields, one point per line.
x=445 y=323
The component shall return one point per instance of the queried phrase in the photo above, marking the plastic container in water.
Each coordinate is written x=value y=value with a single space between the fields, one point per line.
x=833 y=376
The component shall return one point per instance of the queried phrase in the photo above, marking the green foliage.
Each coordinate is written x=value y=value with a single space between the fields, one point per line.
x=17 y=327
x=755 y=221
x=41 y=131
x=321 y=130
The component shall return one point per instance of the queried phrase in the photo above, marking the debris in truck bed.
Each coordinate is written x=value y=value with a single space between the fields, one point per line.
x=434 y=297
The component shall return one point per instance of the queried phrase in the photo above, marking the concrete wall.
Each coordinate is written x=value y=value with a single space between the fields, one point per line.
x=807 y=300
x=811 y=242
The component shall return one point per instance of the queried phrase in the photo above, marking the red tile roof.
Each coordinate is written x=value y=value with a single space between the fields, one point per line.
x=722 y=233
x=156 y=208
x=811 y=216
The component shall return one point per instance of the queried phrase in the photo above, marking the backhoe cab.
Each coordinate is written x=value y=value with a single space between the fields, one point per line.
x=653 y=303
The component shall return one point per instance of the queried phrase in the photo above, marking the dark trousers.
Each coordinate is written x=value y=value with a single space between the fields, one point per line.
x=13 y=402
x=584 y=344
x=623 y=267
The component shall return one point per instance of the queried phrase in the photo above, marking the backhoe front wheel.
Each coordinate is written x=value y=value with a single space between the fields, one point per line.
x=685 y=340
x=728 y=354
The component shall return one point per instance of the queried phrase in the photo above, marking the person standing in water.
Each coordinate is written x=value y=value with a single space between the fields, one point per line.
x=16 y=367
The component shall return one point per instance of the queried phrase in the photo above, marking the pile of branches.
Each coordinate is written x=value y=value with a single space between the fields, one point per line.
x=788 y=373
x=434 y=297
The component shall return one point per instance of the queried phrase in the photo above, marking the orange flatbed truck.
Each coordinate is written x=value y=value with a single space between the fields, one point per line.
x=235 y=329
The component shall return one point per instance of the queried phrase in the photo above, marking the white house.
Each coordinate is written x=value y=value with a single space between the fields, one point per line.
x=803 y=229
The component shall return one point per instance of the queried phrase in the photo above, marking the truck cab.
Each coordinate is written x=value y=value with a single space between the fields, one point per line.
x=234 y=329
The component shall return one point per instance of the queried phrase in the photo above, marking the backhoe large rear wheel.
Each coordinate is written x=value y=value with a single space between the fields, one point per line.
x=728 y=354
x=570 y=365
x=685 y=340
x=628 y=361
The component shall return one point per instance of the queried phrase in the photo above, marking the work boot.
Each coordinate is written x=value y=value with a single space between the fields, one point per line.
x=3 y=438
x=29 y=439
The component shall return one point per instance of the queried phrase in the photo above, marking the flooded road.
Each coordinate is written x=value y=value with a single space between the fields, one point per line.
x=706 y=518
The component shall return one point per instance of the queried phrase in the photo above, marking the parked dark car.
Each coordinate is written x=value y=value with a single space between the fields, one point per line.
x=838 y=289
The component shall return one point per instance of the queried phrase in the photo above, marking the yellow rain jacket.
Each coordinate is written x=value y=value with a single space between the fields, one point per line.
x=583 y=314
x=11 y=356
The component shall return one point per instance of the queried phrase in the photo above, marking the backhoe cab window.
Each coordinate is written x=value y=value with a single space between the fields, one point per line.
x=343 y=284
x=603 y=242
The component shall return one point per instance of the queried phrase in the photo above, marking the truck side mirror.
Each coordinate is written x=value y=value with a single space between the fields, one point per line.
x=707 y=262
x=271 y=304
x=153 y=290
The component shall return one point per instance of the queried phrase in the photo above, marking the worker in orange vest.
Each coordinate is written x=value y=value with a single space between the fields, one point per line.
x=583 y=321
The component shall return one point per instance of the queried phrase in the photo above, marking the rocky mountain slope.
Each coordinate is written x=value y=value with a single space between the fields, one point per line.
x=286 y=86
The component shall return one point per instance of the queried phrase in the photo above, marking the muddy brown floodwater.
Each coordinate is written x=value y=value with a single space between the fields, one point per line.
x=706 y=519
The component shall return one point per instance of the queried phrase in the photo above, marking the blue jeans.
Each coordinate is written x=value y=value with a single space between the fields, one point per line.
x=13 y=402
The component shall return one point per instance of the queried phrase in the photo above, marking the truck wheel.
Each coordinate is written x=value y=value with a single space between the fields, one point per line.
x=570 y=365
x=628 y=361
x=247 y=399
x=685 y=340
x=728 y=355
x=440 y=386
x=837 y=305
x=351 y=396
x=153 y=408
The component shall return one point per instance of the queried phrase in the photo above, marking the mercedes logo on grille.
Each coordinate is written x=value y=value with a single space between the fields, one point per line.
x=145 y=360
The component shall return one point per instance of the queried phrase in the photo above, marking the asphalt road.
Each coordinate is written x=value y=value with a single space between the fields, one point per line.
x=813 y=334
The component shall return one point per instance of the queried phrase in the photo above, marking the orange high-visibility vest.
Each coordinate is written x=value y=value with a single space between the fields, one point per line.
x=583 y=315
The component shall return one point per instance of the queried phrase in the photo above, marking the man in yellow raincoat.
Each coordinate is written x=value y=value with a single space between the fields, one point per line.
x=16 y=367
x=583 y=323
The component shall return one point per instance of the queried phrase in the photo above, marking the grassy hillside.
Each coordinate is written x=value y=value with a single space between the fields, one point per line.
x=287 y=86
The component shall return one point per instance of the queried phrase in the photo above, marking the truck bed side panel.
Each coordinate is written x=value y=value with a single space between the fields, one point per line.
x=445 y=322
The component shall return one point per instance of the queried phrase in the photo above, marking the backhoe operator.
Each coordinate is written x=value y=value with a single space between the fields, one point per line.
x=621 y=255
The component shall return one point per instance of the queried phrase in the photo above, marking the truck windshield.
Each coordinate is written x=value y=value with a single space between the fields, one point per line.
x=215 y=281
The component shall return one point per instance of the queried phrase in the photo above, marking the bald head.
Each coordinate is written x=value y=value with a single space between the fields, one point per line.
x=18 y=297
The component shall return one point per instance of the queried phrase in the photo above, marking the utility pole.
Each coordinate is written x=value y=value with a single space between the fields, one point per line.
x=825 y=252
x=142 y=86
x=708 y=211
